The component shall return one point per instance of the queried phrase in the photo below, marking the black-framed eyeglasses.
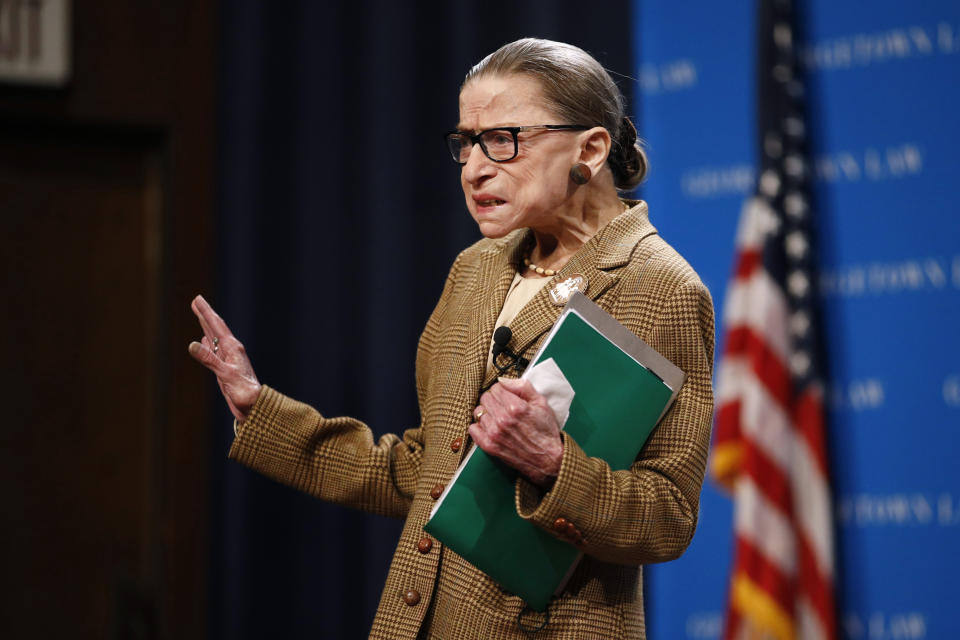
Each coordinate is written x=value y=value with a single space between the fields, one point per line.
x=498 y=144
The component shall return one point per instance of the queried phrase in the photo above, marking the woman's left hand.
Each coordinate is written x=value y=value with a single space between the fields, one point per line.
x=515 y=423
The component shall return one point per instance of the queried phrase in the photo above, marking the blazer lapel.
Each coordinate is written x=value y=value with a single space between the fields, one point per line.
x=498 y=268
x=597 y=261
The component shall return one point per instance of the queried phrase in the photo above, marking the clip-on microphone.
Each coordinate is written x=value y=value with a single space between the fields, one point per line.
x=501 y=337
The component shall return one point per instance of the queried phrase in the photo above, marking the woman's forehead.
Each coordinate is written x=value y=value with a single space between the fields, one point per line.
x=491 y=101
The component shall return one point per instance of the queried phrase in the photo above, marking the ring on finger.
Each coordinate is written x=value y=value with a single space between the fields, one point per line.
x=479 y=413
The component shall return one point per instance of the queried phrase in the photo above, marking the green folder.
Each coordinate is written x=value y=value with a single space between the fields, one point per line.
x=622 y=388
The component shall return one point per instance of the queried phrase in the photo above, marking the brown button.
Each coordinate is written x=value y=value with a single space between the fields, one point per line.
x=560 y=525
x=437 y=491
x=425 y=545
x=456 y=444
x=411 y=597
x=572 y=531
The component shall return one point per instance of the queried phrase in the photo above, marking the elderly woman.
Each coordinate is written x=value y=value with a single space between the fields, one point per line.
x=544 y=146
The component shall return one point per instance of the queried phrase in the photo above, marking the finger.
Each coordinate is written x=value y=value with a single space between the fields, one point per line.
x=216 y=349
x=488 y=402
x=504 y=403
x=480 y=437
x=205 y=341
x=207 y=332
x=210 y=320
x=208 y=358
x=479 y=411
x=492 y=410
x=519 y=387
x=489 y=424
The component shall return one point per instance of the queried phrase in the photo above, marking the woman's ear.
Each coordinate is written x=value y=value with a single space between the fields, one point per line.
x=595 y=148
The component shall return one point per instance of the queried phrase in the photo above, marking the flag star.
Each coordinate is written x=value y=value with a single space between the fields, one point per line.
x=794 y=126
x=782 y=35
x=794 y=165
x=799 y=324
x=773 y=144
x=782 y=73
x=796 y=245
x=798 y=284
x=800 y=363
x=770 y=183
x=795 y=205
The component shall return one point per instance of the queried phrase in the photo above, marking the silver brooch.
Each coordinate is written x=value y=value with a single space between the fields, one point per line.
x=560 y=293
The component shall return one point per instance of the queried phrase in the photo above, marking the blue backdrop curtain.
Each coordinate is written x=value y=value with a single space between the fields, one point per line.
x=338 y=216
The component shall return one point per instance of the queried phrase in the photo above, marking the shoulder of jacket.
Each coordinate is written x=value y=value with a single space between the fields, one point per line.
x=656 y=255
x=657 y=260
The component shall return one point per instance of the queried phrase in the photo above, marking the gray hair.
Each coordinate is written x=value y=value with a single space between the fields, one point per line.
x=579 y=90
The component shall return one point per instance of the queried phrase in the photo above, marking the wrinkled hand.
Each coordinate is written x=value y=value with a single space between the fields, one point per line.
x=223 y=354
x=516 y=425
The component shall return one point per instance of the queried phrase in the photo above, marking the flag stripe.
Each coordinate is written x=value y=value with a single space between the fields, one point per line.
x=770 y=480
x=747 y=264
x=814 y=585
x=770 y=370
x=809 y=623
x=757 y=302
x=811 y=497
x=761 y=524
x=763 y=421
x=808 y=417
x=765 y=574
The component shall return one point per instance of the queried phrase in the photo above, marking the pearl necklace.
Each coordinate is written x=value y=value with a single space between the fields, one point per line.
x=540 y=270
x=553 y=272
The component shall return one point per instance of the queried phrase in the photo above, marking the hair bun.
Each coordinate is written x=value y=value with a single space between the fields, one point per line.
x=629 y=161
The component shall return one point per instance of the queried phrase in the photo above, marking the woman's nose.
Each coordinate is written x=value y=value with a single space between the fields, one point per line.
x=478 y=166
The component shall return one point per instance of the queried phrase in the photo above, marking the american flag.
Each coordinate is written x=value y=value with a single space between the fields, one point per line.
x=769 y=447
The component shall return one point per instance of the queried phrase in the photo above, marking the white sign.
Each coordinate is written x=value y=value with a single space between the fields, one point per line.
x=35 y=41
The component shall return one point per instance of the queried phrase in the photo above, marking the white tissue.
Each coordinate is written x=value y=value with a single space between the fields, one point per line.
x=550 y=382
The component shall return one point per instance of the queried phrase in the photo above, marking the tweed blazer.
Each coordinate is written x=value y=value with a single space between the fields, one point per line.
x=627 y=518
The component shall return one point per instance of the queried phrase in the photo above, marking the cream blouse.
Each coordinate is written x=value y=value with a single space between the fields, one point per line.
x=521 y=292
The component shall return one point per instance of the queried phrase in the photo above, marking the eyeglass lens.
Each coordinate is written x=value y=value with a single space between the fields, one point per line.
x=498 y=144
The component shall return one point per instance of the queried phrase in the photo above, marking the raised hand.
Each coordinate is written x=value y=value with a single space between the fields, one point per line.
x=515 y=423
x=223 y=354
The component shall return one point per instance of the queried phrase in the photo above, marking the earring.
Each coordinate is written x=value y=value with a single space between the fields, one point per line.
x=580 y=173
